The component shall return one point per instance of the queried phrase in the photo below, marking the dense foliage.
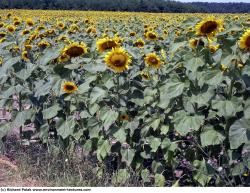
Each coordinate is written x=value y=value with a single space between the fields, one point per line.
x=128 y=5
x=165 y=95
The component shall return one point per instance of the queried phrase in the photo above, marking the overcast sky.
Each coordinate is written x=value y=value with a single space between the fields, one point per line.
x=246 y=1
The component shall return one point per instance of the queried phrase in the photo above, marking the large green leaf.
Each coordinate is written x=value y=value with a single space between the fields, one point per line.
x=66 y=128
x=103 y=149
x=121 y=177
x=22 y=117
x=225 y=108
x=184 y=123
x=127 y=155
x=210 y=136
x=120 y=135
x=169 y=90
x=108 y=117
x=239 y=133
x=4 y=129
x=51 y=111
x=154 y=143
x=96 y=94
x=203 y=173
x=159 y=180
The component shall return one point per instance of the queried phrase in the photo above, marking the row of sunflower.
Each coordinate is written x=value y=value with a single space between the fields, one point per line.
x=160 y=93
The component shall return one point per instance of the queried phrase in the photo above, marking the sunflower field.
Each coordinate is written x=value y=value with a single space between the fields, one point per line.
x=165 y=95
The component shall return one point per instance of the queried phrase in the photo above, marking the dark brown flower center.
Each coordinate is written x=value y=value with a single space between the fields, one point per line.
x=118 y=60
x=69 y=87
x=109 y=45
x=209 y=27
x=151 y=36
x=75 y=51
x=248 y=41
x=153 y=60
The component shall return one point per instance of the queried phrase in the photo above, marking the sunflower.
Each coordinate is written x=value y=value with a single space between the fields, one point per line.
x=75 y=49
x=118 y=60
x=28 y=47
x=2 y=35
x=150 y=35
x=244 y=42
x=40 y=27
x=145 y=75
x=63 y=58
x=61 y=25
x=124 y=117
x=17 y=22
x=209 y=27
x=106 y=44
x=139 y=43
x=69 y=87
x=213 y=48
x=29 y=22
x=25 y=56
x=1 y=24
x=26 y=31
x=43 y=44
x=132 y=34
x=224 y=68
x=153 y=60
x=11 y=28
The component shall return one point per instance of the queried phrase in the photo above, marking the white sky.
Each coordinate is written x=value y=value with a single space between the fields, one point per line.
x=219 y=1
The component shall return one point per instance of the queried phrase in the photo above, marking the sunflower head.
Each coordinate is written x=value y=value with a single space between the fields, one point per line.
x=106 y=44
x=17 y=22
x=63 y=58
x=244 y=42
x=1 y=24
x=25 y=56
x=132 y=34
x=139 y=43
x=11 y=28
x=209 y=27
x=224 y=68
x=145 y=75
x=118 y=60
x=29 y=22
x=153 y=60
x=26 y=31
x=43 y=44
x=75 y=49
x=150 y=35
x=2 y=35
x=213 y=48
x=124 y=117
x=69 y=87
x=60 y=25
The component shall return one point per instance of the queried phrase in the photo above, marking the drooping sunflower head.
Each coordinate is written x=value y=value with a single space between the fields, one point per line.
x=209 y=27
x=150 y=35
x=75 y=49
x=43 y=44
x=213 y=48
x=29 y=22
x=139 y=43
x=106 y=44
x=118 y=60
x=25 y=56
x=153 y=60
x=11 y=28
x=69 y=87
x=244 y=42
x=63 y=58
x=26 y=31
x=145 y=75
x=2 y=35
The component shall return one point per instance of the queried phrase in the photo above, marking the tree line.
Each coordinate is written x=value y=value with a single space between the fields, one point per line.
x=127 y=5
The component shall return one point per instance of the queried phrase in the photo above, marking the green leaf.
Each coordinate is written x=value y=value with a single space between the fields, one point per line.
x=159 y=180
x=50 y=54
x=164 y=129
x=169 y=90
x=127 y=155
x=211 y=77
x=121 y=177
x=193 y=64
x=155 y=124
x=51 y=111
x=9 y=63
x=202 y=173
x=239 y=133
x=66 y=128
x=154 y=143
x=184 y=123
x=145 y=175
x=103 y=149
x=211 y=137
x=22 y=117
x=85 y=86
x=96 y=94
x=247 y=109
x=120 y=135
x=108 y=117
x=4 y=129
x=225 y=108
x=238 y=169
